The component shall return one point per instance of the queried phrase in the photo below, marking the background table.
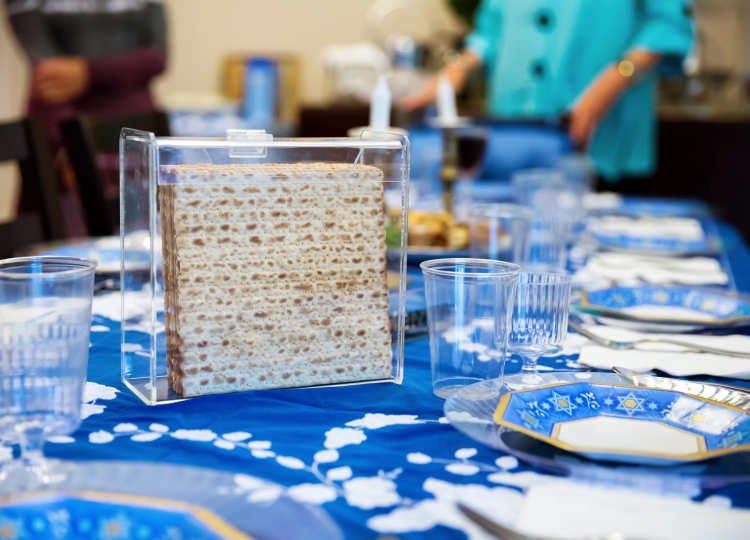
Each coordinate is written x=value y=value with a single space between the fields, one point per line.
x=380 y=458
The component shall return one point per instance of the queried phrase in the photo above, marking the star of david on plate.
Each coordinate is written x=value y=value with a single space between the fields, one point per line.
x=562 y=403
x=608 y=401
x=630 y=404
x=697 y=418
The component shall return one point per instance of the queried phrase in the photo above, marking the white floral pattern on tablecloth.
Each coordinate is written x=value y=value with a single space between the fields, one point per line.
x=324 y=479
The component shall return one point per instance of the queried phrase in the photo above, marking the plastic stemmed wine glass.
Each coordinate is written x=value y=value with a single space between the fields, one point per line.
x=548 y=244
x=540 y=317
x=557 y=206
x=45 y=320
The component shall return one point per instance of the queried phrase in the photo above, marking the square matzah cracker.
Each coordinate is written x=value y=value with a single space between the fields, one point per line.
x=274 y=276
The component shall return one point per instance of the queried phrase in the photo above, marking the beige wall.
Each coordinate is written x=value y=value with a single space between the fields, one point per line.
x=12 y=89
x=13 y=73
x=202 y=32
x=724 y=28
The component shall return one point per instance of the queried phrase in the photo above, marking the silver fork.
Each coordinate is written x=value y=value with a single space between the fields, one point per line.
x=627 y=345
x=632 y=373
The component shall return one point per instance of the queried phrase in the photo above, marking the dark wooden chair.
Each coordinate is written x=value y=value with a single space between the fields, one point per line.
x=41 y=219
x=86 y=139
x=332 y=121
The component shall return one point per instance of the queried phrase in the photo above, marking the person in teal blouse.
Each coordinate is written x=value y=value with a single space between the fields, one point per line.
x=594 y=59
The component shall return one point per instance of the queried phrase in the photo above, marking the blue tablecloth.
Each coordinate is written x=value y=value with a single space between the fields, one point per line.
x=379 y=458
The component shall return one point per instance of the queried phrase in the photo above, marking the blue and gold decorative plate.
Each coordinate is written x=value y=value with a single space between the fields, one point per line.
x=108 y=500
x=666 y=308
x=625 y=423
x=644 y=421
x=107 y=516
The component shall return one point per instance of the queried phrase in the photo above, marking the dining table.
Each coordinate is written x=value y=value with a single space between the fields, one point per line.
x=381 y=459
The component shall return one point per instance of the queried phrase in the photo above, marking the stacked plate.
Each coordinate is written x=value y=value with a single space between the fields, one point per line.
x=666 y=309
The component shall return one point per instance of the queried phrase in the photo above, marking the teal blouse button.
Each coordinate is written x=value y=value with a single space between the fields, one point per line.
x=545 y=20
x=538 y=69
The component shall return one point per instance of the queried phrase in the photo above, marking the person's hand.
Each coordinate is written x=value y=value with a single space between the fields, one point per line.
x=594 y=105
x=60 y=79
x=456 y=72
x=604 y=92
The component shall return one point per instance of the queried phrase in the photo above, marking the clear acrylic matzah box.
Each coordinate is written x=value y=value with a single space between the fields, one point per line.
x=274 y=263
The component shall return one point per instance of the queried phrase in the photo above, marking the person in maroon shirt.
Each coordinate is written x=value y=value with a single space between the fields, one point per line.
x=89 y=56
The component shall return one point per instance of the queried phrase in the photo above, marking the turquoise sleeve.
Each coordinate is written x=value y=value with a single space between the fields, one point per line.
x=487 y=25
x=667 y=28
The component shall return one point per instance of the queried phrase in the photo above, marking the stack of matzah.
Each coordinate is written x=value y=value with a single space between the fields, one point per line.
x=274 y=276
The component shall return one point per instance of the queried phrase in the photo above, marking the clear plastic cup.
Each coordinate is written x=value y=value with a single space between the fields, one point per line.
x=528 y=184
x=578 y=170
x=550 y=193
x=45 y=320
x=501 y=232
x=469 y=305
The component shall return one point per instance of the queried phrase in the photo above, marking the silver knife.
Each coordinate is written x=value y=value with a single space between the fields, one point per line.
x=504 y=533
x=495 y=529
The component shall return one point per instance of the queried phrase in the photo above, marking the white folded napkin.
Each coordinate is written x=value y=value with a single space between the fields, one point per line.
x=672 y=359
x=627 y=269
x=605 y=200
x=571 y=511
x=649 y=227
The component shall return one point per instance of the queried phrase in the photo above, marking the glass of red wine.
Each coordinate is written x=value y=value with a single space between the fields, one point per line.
x=472 y=144
x=467 y=146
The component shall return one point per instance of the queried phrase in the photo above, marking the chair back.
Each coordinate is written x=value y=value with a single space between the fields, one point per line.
x=25 y=230
x=25 y=142
x=93 y=146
